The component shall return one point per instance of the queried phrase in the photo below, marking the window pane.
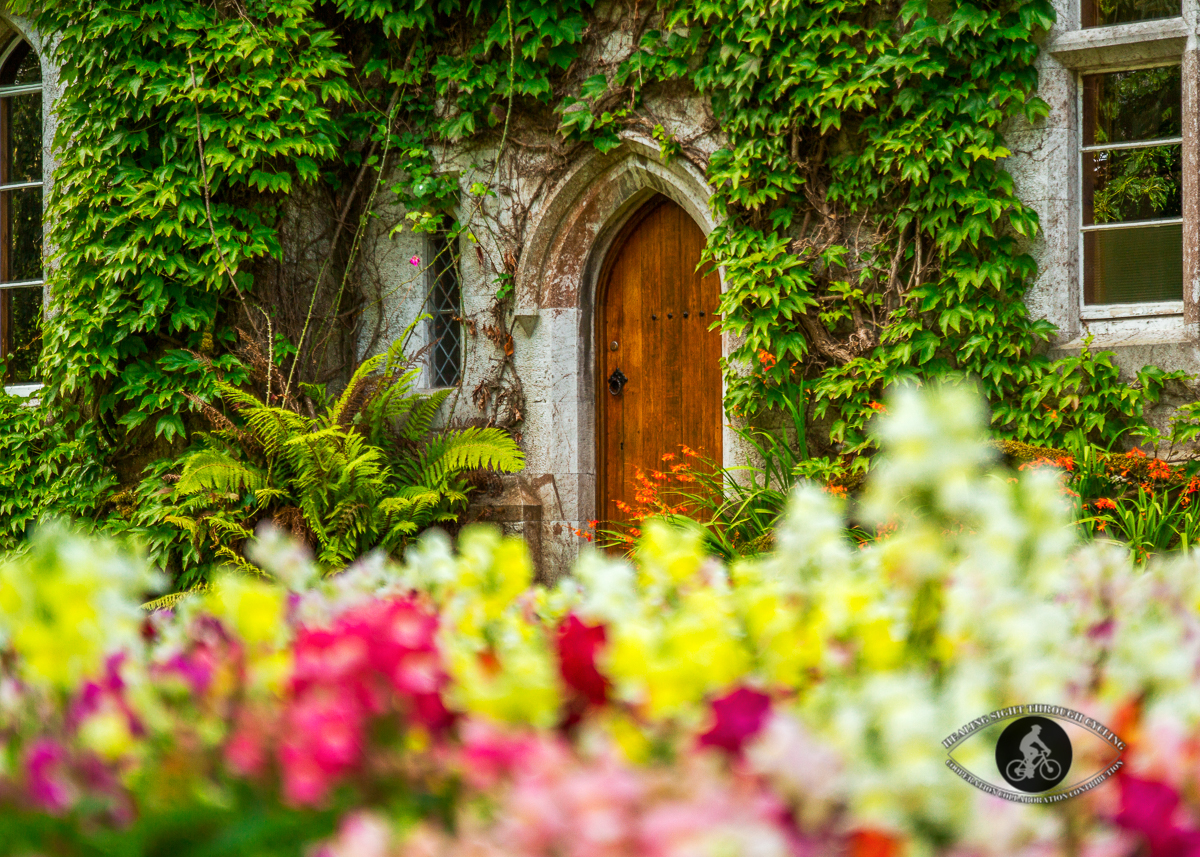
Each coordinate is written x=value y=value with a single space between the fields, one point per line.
x=23 y=241
x=1122 y=185
x=445 y=301
x=1100 y=13
x=1135 y=265
x=24 y=334
x=1127 y=106
x=23 y=162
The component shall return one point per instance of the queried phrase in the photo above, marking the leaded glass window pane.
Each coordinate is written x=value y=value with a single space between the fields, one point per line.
x=445 y=307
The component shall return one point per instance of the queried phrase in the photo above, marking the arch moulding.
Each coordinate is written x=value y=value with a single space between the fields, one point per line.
x=584 y=211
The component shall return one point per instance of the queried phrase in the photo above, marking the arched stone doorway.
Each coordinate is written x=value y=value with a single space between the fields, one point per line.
x=571 y=236
x=659 y=361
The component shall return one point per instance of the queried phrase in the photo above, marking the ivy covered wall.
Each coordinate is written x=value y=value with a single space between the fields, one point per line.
x=234 y=176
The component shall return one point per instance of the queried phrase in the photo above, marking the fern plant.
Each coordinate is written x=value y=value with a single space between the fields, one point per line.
x=366 y=471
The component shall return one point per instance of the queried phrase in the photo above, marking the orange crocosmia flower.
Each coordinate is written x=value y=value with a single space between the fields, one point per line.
x=668 y=456
x=766 y=358
x=873 y=843
x=1066 y=462
x=875 y=406
x=688 y=451
x=836 y=490
x=1159 y=469
x=1135 y=453
x=1053 y=415
x=593 y=523
x=1105 y=503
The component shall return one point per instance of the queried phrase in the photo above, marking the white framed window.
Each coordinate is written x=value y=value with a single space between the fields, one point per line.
x=21 y=190
x=1131 y=192
x=444 y=306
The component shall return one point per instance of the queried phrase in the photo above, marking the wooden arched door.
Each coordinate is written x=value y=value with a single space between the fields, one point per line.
x=659 y=379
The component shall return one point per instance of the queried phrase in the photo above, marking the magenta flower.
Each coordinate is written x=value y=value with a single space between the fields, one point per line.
x=47 y=782
x=737 y=717
x=1148 y=807
x=415 y=260
x=377 y=657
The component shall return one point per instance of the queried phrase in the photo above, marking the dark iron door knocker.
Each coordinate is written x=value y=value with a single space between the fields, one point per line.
x=616 y=382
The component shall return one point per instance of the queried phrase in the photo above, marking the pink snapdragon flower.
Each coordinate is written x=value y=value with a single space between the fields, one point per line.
x=48 y=782
x=549 y=800
x=737 y=717
x=378 y=657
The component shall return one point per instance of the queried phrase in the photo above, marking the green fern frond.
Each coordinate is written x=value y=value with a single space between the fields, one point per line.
x=237 y=397
x=174 y=598
x=368 y=367
x=211 y=470
x=263 y=496
x=467 y=449
x=273 y=427
x=184 y=523
x=228 y=527
x=422 y=414
x=411 y=507
x=239 y=562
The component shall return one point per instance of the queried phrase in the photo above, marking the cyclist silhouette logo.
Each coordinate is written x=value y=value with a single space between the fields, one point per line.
x=1033 y=754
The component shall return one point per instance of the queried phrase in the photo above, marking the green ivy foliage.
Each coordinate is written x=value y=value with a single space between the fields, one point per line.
x=147 y=255
x=869 y=230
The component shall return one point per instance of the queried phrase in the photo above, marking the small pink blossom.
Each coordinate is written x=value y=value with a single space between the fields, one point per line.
x=246 y=749
x=361 y=834
x=415 y=260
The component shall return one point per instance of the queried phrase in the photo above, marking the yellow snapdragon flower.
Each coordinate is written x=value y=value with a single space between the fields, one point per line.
x=68 y=603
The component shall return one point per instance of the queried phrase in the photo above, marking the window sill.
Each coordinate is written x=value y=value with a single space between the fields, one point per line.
x=1121 y=44
x=23 y=391
x=1119 y=311
x=1146 y=330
